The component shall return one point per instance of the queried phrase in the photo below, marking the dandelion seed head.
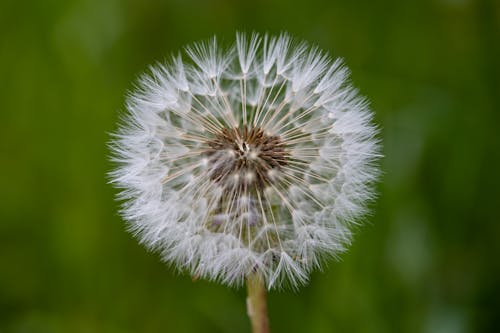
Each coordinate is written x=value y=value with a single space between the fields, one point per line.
x=257 y=158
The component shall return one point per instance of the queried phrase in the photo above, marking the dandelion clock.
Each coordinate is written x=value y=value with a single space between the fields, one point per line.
x=246 y=164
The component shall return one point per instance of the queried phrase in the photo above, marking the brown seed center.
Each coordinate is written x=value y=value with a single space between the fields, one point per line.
x=245 y=156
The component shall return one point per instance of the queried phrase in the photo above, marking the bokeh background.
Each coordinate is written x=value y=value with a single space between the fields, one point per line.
x=427 y=259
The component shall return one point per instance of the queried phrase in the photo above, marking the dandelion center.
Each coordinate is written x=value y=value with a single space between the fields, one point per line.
x=245 y=156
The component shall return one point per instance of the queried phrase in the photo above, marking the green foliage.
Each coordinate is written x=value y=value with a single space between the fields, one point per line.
x=424 y=262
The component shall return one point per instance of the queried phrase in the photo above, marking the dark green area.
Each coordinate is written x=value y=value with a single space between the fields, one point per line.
x=427 y=260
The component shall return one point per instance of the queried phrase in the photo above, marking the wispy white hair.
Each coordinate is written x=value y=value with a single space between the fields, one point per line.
x=183 y=196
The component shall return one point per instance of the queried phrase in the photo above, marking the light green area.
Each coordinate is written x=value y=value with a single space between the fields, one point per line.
x=427 y=259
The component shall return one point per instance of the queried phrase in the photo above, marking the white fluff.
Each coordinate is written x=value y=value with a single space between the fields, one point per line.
x=211 y=229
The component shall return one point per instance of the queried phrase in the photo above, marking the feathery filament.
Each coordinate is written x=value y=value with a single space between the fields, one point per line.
x=257 y=158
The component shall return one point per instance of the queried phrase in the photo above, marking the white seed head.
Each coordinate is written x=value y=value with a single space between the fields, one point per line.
x=252 y=159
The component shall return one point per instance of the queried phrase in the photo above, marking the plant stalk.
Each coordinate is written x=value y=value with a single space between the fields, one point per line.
x=256 y=304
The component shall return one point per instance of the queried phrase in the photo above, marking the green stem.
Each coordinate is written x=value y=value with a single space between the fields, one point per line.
x=256 y=304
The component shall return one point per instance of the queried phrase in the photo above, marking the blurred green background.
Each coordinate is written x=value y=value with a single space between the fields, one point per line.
x=427 y=260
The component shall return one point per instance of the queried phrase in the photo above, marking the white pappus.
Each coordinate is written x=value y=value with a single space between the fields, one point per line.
x=256 y=158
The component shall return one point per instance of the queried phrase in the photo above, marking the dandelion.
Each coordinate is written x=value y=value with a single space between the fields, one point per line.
x=246 y=163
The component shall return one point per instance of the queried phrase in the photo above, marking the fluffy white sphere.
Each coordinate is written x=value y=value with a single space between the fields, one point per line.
x=251 y=159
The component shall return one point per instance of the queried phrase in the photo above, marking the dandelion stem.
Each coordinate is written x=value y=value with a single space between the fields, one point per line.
x=256 y=304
